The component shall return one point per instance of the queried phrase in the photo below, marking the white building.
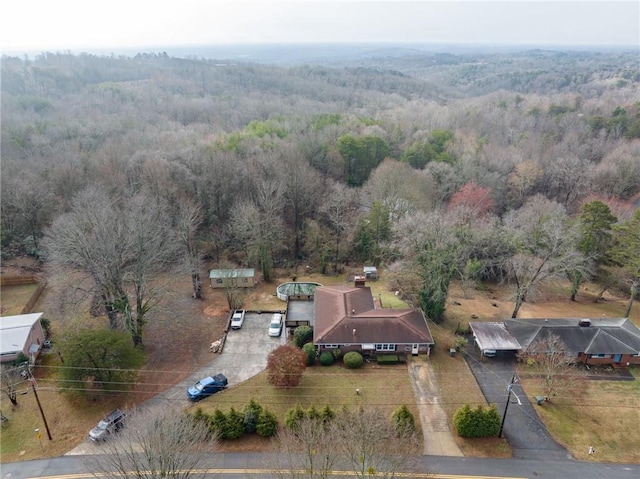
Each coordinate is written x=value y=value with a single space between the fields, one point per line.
x=22 y=333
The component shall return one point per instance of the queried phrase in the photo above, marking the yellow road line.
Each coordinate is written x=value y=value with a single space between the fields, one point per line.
x=416 y=475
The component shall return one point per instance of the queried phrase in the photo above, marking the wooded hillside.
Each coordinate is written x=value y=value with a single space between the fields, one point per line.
x=471 y=165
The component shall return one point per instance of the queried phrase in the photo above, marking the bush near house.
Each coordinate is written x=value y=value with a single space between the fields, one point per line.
x=326 y=358
x=302 y=335
x=353 y=360
x=310 y=350
x=387 y=359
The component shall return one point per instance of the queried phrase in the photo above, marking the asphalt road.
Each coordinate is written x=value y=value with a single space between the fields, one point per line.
x=228 y=465
x=524 y=430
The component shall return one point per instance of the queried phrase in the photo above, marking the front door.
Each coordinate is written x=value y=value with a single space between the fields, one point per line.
x=617 y=358
x=414 y=349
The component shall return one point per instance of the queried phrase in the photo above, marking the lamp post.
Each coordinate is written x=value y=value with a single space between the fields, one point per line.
x=506 y=406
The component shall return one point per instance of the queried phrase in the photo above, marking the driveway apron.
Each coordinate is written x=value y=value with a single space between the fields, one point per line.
x=523 y=429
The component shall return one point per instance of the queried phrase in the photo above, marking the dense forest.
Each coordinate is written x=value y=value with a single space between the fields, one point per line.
x=518 y=166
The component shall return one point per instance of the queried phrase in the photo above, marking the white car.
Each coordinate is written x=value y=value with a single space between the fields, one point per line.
x=275 y=326
x=237 y=319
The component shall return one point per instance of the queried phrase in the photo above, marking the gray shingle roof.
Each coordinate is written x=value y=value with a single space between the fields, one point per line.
x=603 y=336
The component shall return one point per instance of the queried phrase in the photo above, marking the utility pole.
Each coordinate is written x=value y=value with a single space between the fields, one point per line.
x=44 y=419
x=506 y=406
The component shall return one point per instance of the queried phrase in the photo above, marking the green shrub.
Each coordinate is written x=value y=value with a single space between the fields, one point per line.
x=302 y=335
x=387 y=359
x=327 y=414
x=478 y=422
x=403 y=421
x=459 y=342
x=312 y=413
x=251 y=413
x=267 y=424
x=310 y=350
x=293 y=417
x=337 y=353
x=326 y=358
x=234 y=427
x=353 y=360
x=218 y=423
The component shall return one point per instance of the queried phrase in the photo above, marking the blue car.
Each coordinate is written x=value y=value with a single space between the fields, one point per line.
x=206 y=387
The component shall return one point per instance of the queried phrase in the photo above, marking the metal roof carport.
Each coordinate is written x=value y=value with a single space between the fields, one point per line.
x=492 y=335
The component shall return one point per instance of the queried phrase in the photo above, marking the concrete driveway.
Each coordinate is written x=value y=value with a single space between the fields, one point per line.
x=244 y=355
x=523 y=429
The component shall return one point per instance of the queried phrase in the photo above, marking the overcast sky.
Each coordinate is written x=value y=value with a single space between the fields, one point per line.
x=83 y=25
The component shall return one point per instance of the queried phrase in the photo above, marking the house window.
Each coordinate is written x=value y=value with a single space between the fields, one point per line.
x=385 y=347
x=219 y=281
x=330 y=346
x=601 y=356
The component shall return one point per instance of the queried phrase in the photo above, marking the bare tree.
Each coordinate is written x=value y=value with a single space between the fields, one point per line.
x=171 y=445
x=568 y=179
x=10 y=379
x=257 y=224
x=363 y=443
x=233 y=291
x=27 y=205
x=339 y=209
x=302 y=189
x=189 y=219
x=120 y=246
x=306 y=451
x=400 y=188
x=369 y=444
x=552 y=361
x=545 y=247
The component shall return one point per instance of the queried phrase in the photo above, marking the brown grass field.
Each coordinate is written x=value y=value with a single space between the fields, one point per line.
x=180 y=323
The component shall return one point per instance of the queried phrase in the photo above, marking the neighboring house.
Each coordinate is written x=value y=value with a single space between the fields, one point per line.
x=345 y=318
x=22 y=333
x=234 y=278
x=614 y=341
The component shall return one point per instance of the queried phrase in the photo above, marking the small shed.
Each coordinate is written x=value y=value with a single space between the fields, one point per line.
x=234 y=278
x=22 y=333
x=370 y=272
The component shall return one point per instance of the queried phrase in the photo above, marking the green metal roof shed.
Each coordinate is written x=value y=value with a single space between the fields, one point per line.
x=222 y=278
